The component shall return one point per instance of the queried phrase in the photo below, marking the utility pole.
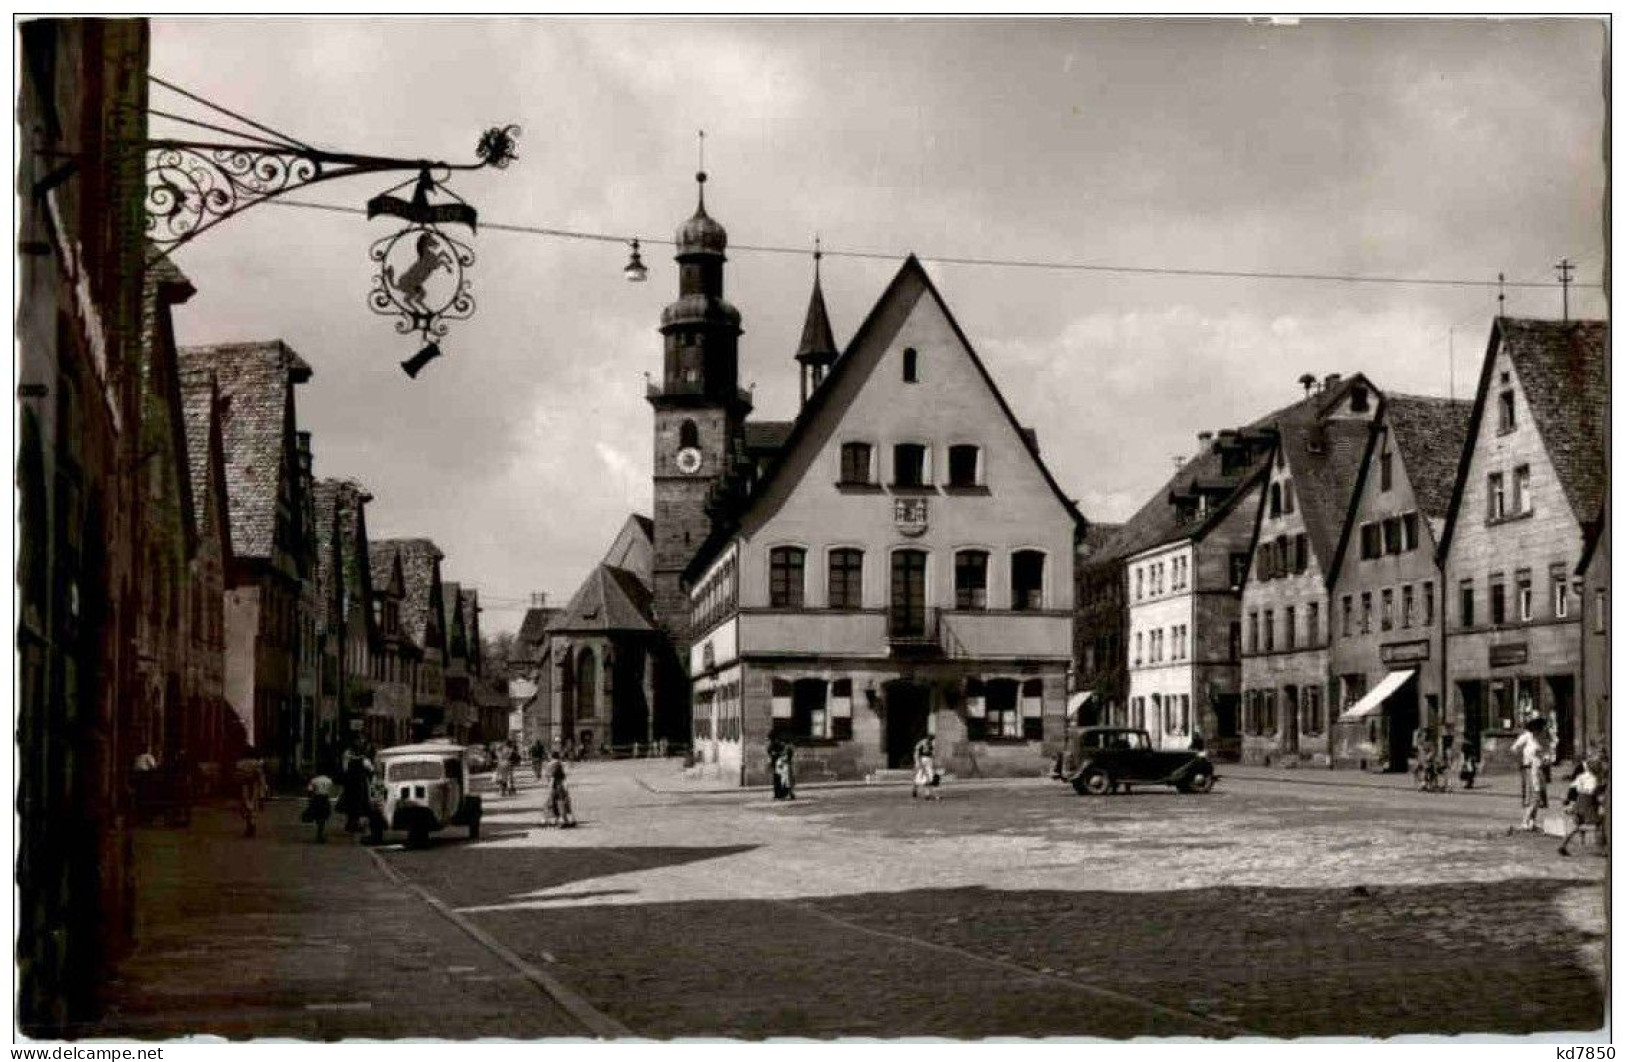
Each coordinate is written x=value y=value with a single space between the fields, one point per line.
x=1565 y=274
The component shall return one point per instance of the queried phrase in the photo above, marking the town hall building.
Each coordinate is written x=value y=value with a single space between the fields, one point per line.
x=895 y=562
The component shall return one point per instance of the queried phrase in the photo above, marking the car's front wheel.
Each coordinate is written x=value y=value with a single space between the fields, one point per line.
x=1093 y=782
x=1200 y=782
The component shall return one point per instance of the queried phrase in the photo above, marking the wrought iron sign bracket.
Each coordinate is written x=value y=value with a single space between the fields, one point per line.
x=192 y=186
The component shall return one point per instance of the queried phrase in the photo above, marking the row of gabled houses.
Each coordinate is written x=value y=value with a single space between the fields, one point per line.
x=1317 y=586
x=185 y=586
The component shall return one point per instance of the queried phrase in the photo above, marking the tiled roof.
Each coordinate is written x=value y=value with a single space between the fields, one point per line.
x=420 y=559
x=534 y=624
x=254 y=381
x=343 y=500
x=766 y=436
x=1562 y=367
x=197 y=405
x=610 y=599
x=1158 y=520
x=1430 y=434
x=1325 y=463
x=633 y=548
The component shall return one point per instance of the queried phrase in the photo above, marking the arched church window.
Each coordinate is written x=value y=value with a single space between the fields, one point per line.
x=586 y=685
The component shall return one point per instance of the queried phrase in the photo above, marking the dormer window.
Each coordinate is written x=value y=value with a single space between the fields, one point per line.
x=911 y=365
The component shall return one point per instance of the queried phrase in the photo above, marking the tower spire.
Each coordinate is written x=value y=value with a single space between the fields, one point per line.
x=817 y=350
x=699 y=175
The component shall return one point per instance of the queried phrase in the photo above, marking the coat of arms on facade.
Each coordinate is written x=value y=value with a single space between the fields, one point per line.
x=911 y=515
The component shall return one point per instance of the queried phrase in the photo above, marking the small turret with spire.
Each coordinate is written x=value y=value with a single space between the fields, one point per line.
x=817 y=351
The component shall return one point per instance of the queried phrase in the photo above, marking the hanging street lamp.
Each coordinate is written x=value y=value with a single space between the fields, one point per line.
x=635 y=272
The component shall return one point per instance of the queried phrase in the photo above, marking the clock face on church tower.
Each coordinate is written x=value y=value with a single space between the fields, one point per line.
x=689 y=460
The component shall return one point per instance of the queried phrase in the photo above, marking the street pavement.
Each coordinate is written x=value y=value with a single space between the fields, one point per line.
x=1016 y=908
x=275 y=936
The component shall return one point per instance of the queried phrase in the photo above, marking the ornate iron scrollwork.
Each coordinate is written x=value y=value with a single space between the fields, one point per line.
x=190 y=189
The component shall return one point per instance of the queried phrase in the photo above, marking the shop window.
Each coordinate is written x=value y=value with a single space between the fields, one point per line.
x=840 y=709
x=783 y=702
x=1003 y=709
x=975 y=709
x=786 y=577
x=970 y=579
x=1032 y=710
x=846 y=578
x=809 y=709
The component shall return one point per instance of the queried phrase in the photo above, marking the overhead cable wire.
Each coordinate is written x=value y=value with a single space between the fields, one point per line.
x=1007 y=263
x=267 y=141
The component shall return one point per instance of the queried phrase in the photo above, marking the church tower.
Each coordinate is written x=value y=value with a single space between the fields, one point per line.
x=699 y=415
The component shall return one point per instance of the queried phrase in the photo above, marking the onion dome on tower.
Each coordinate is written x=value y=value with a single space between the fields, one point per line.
x=817 y=351
x=701 y=327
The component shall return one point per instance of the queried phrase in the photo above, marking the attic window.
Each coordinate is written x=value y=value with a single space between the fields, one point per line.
x=911 y=365
x=1359 y=399
x=1509 y=412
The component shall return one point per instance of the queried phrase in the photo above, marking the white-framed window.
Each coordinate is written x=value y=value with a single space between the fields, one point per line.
x=1026 y=580
x=857 y=464
x=1526 y=596
x=787 y=577
x=964 y=465
x=1560 y=590
x=911 y=465
x=1522 y=502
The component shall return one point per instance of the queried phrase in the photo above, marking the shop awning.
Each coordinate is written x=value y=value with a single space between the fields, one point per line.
x=1075 y=703
x=1372 y=702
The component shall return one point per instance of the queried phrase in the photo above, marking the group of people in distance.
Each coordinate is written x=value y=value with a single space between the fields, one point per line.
x=1583 y=803
x=781 y=761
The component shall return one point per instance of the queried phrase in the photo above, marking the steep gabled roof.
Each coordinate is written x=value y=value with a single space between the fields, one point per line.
x=910 y=284
x=535 y=624
x=1562 y=369
x=206 y=472
x=1325 y=463
x=255 y=382
x=1430 y=434
x=609 y=599
x=1158 y=521
x=633 y=548
x=420 y=561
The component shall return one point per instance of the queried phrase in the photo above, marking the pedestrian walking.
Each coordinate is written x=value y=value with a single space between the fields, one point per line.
x=785 y=770
x=1583 y=805
x=925 y=769
x=559 y=812
x=319 y=805
x=538 y=757
x=250 y=776
x=774 y=747
x=505 y=755
x=1534 y=752
x=356 y=770
x=1469 y=760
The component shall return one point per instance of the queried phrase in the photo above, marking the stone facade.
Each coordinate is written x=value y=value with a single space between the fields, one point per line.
x=952 y=613
x=1593 y=592
x=80 y=246
x=1515 y=535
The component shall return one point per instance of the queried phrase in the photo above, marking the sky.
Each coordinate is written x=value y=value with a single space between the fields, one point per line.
x=1418 y=149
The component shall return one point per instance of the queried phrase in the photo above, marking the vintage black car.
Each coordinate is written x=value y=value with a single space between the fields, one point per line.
x=1102 y=759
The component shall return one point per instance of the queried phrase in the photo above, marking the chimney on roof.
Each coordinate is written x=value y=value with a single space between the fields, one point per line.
x=1332 y=380
x=1204 y=437
x=538 y=599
